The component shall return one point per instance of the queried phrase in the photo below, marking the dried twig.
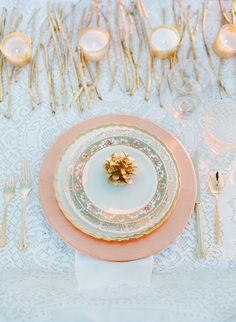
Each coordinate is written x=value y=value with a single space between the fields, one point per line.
x=174 y=12
x=90 y=15
x=233 y=11
x=82 y=65
x=112 y=44
x=145 y=13
x=65 y=58
x=219 y=76
x=134 y=65
x=73 y=14
x=181 y=26
x=52 y=25
x=97 y=7
x=174 y=15
x=192 y=35
x=163 y=19
x=204 y=12
x=49 y=77
x=76 y=96
x=70 y=50
x=122 y=54
x=8 y=79
x=93 y=80
x=153 y=58
x=138 y=77
x=149 y=60
x=33 y=70
x=83 y=77
x=155 y=74
x=224 y=14
x=127 y=49
x=3 y=21
x=2 y=29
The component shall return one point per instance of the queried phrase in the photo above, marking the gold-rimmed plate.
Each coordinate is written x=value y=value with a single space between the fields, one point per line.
x=111 y=212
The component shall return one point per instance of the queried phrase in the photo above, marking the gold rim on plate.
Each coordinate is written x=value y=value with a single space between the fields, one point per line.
x=104 y=237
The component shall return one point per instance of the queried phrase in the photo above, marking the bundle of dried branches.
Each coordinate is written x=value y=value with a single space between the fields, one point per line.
x=204 y=13
x=59 y=31
x=120 y=45
x=140 y=8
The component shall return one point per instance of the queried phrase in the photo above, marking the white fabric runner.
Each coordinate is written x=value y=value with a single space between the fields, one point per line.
x=40 y=282
x=93 y=273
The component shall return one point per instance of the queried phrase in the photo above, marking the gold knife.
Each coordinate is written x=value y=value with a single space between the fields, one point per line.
x=201 y=249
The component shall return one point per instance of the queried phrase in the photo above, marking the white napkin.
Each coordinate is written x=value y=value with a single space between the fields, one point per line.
x=93 y=273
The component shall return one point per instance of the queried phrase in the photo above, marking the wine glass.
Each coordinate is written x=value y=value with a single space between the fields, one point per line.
x=184 y=91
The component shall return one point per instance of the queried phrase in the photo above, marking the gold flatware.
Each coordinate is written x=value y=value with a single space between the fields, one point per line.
x=201 y=249
x=8 y=193
x=25 y=188
x=216 y=186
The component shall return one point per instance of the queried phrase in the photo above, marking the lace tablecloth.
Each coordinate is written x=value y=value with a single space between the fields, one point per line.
x=39 y=281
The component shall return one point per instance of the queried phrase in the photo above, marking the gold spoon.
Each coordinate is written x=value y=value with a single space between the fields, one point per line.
x=216 y=186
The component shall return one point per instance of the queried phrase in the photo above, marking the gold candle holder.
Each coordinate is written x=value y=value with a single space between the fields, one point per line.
x=94 y=43
x=164 y=41
x=225 y=43
x=16 y=47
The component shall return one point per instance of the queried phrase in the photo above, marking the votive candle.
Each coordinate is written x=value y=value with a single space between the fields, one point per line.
x=164 y=41
x=94 y=43
x=16 y=47
x=225 y=43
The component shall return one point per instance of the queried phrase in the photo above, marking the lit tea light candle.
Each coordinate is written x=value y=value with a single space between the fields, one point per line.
x=164 y=41
x=225 y=43
x=16 y=47
x=94 y=43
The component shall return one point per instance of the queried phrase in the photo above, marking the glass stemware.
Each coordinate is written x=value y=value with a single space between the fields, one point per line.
x=184 y=91
x=219 y=130
x=220 y=127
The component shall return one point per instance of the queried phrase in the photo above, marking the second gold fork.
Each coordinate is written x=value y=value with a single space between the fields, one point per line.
x=8 y=193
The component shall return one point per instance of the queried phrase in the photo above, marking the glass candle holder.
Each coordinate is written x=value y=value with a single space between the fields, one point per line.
x=164 y=41
x=94 y=43
x=225 y=43
x=16 y=47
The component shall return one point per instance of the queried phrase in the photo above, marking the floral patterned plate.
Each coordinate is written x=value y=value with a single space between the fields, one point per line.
x=110 y=212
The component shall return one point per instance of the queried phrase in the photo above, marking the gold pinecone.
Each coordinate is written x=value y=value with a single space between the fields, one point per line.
x=119 y=167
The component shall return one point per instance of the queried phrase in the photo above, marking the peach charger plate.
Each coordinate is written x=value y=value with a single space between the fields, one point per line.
x=115 y=250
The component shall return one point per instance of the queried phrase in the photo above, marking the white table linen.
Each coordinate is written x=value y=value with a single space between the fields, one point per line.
x=37 y=283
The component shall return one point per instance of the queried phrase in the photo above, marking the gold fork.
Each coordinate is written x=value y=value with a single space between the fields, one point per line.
x=8 y=193
x=25 y=188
